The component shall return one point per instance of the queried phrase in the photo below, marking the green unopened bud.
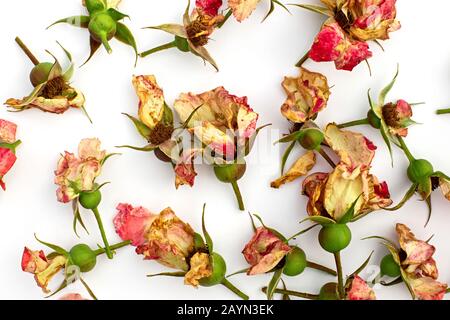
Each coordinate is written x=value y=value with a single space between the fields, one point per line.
x=83 y=257
x=102 y=29
x=231 y=172
x=219 y=269
x=389 y=267
x=419 y=170
x=312 y=139
x=91 y=199
x=295 y=262
x=40 y=73
x=182 y=44
x=94 y=6
x=373 y=119
x=335 y=237
x=329 y=292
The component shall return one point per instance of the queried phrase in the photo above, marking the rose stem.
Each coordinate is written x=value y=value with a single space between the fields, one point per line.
x=113 y=247
x=303 y=59
x=102 y=231
x=337 y=258
x=27 y=51
x=443 y=111
x=406 y=149
x=157 y=49
x=238 y=194
x=227 y=16
x=327 y=158
x=295 y=294
x=354 y=123
x=235 y=290
x=319 y=267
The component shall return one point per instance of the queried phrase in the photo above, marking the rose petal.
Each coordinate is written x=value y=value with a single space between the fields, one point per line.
x=7 y=160
x=184 y=169
x=445 y=188
x=300 y=168
x=313 y=187
x=7 y=131
x=417 y=252
x=132 y=223
x=91 y=149
x=151 y=100
x=200 y=268
x=210 y=7
x=242 y=9
x=33 y=261
x=426 y=288
x=360 y=290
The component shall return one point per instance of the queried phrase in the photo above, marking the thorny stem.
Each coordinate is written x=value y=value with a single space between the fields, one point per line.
x=354 y=123
x=235 y=290
x=295 y=294
x=337 y=258
x=102 y=231
x=406 y=149
x=303 y=59
x=443 y=111
x=319 y=267
x=327 y=158
x=113 y=247
x=27 y=51
x=238 y=194
x=157 y=49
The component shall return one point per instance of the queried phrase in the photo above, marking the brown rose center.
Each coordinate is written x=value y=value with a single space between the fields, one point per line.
x=54 y=88
x=161 y=133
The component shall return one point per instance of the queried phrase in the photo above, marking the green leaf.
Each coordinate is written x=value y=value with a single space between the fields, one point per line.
x=253 y=222
x=407 y=196
x=76 y=21
x=143 y=130
x=388 y=88
x=54 y=247
x=302 y=232
x=186 y=15
x=291 y=137
x=285 y=296
x=204 y=54
x=273 y=284
x=363 y=266
x=67 y=75
x=149 y=148
x=91 y=293
x=430 y=209
x=124 y=35
x=94 y=45
x=348 y=216
x=172 y=28
x=238 y=272
x=116 y=14
x=275 y=232
x=317 y=9
x=441 y=175
x=167 y=115
x=373 y=107
x=320 y=220
x=286 y=155
x=272 y=8
x=208 y=239
x=77 y=218
x=108 y=156
x=385 y=135
x=61 y=287
x=179 y=274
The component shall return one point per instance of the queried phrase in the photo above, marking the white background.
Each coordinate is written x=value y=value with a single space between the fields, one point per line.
x=253 y=58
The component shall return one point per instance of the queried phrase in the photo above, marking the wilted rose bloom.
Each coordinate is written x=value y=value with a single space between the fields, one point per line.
x=332 y=194
x=210 y=7
x=77 y=174
x=343 y=37
x=223 y=123
x=203 y=22
x=7 y=156
x=397 y=117
x=35 y=262
x=418 y=267
x=242 y=9
x=360 y=290
x=200 y=267
x=167 y=239
x=307 y=95
x=264 y=251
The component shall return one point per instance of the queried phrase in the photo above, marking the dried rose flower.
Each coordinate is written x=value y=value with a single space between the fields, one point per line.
x=52 y=90
x=415 y=264
x=103 y=23
x=358 y=289
x=349 y=25
x=171 y=242
x=242 y=9
x=8 y=145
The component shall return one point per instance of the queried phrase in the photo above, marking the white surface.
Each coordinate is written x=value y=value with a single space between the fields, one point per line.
x=253 y=58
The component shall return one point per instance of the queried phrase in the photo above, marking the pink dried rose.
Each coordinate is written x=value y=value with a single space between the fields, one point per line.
x=8 y=145
x=349 y=25
x=360 y=290
x=397 y=116
x=132 y=223
x=210 y=7
x=75 y=175
x=264 y=251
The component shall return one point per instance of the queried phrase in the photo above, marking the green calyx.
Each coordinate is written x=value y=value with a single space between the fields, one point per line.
x=90 y=199
x=295 y=262
x=102 y=28
x=182 y=44
x=335 y=237
x=389 y=267
x=83 y=257
x=219 y=270
x=40 y=73
x=312 y=139
x=329 y=292
x=231 y=172
x=94 y=6
x=419 y=170
x=373 y=119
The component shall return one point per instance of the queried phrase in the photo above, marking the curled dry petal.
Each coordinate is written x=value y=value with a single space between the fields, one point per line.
x=242 y=9
x=184 y=168
x=360 y=290
x=169 y=240
x=91 y=149
x=313 y=187
x=33 y=261
x=307 y=95
x=333 y=44
x=7 y=160
x=426 y=288
x=264 y=251
x=132 y=223
x=199 y=268
x=300 y=168
x=373 y=19
x=151 y=100
x=378 y=194
x=355 y=151
x=7 y=131
x=445 y=188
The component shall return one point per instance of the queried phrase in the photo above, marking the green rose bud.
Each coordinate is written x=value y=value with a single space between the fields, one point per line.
x=374 y=121
x=329 y=292
x=335 y=237
x=389 y=267
x=230 y=173
x=312 y=139
x=95 y=6
x=84 y=257
x=295 y=262
x=182 y=44
x=40 y=73
x=102 y=29
x=90 y=200
x=419 y=170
